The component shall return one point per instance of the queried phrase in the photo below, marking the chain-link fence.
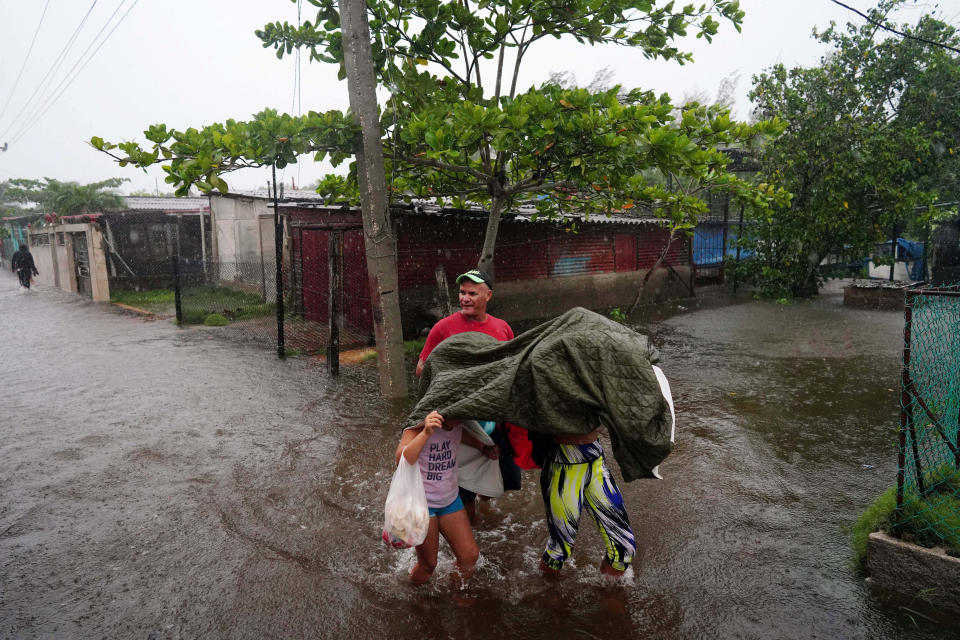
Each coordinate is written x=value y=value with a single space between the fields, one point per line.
x=928 y=480
x=329 y=279
x=240 y=298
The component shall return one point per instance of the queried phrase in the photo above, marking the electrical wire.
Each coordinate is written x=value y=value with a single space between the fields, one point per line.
x=25 y=58
x=53 y=67
x=40 y=115
x=892 y=30
x=46 y=100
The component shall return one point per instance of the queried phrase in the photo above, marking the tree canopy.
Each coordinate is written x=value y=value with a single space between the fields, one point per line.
x=871 y=141
x=456 y=129
x=23 y=196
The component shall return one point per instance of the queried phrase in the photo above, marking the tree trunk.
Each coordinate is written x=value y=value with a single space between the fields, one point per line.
x=490 y=239
x=649 y=274
x=379 y=237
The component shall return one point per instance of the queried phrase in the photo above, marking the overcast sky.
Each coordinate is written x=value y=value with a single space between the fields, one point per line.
x=194 y=62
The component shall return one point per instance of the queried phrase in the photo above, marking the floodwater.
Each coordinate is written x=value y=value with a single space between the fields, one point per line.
x=164 y=483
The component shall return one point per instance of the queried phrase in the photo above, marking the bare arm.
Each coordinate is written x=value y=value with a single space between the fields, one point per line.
x=413 y=440
x=491 y=451
x=420 y=364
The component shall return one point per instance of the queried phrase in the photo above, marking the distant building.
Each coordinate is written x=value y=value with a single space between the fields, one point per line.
x=92 y=254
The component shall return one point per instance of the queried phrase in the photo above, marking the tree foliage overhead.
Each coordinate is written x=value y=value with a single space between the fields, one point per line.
x=456 y=129
x=872 y=139
x=22 y=196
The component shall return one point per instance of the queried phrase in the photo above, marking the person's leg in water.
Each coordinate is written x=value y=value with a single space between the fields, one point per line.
x=427 y=554
x=456 y=530
x=24 y=275
x=604 y=502
x=561 y=486
x=469 y=499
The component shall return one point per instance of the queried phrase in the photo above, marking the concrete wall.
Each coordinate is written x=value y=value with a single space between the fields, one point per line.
x=915 y=572
x=56 y=264
x=243 y=244
x=44 y=256
x=236 y=224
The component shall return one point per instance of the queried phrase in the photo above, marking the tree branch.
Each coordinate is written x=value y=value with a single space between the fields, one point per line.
x=443 y=166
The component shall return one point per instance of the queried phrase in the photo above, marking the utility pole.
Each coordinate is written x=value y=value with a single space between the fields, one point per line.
x=380 y=239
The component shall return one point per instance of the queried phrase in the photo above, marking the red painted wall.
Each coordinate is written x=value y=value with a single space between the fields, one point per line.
x=525 y=251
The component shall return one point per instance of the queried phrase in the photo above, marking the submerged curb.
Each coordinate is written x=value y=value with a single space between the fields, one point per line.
x=914 y=571
x=142 y=312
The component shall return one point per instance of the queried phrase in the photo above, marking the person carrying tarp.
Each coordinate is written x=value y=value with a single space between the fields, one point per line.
x=564 y=380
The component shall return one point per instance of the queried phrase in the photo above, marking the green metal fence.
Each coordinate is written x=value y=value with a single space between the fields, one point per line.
x=928 y=478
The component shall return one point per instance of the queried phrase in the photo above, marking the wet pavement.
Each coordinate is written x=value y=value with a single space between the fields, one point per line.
x=166 y=483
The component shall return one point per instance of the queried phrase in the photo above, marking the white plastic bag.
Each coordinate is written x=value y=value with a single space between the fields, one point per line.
x=405 y=515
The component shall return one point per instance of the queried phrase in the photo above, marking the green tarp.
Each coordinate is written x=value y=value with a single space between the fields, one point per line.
x=565 y=376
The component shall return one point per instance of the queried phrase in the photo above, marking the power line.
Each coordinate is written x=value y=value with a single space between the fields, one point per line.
x=45 y=101
x=40 y=115
x=53 y=67
x=892 y=30
x=24 y=65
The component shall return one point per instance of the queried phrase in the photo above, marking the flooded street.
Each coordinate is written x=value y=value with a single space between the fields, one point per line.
x=166 y=483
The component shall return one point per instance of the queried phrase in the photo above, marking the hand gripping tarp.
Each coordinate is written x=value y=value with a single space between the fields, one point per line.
x=565 y=376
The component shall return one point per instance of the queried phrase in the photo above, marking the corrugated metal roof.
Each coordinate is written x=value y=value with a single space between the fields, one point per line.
x=290 y=196
x=156 y=203
x=526 y=213
x=523 y=213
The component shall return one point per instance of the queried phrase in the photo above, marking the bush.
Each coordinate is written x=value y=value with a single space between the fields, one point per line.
x=215 y=320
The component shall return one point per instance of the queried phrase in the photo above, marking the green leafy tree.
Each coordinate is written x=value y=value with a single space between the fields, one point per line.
x=457 y=130
x=871 y=141
x=62 y=198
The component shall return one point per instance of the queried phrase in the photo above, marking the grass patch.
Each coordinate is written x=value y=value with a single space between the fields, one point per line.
x=412 y=348
x=154 y=300
x=877 y=517
x=928 y=521
x=199 y=302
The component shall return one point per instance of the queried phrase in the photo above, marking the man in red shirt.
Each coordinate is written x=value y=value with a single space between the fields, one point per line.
x=476 y=290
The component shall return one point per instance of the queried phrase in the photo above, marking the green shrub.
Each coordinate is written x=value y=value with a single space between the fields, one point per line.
x=215 y=320
x=617 y=315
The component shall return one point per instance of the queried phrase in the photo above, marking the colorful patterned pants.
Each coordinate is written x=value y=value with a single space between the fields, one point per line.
x=575 y=477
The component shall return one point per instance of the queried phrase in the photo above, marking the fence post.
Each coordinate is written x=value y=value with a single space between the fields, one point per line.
x=723 y=250
x=904 y=403
x=893 y=250
x=443 y=290
x=334 y=312
x=278 y=245
x=176 y=287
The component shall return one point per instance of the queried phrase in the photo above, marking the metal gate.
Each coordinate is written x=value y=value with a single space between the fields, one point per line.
x=355 y=304
x=81 y=262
